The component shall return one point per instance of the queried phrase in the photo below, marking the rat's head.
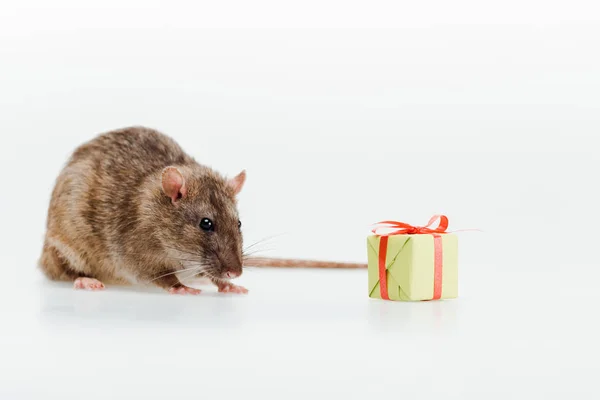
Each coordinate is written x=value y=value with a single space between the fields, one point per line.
x=200 y=224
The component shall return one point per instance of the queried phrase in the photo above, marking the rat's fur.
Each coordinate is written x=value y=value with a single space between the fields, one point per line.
x=114 y=217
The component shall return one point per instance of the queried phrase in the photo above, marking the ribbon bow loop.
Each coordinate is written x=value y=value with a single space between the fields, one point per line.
x=402 y=228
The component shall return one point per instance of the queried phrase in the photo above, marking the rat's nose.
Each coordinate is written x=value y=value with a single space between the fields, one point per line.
x=231 y=274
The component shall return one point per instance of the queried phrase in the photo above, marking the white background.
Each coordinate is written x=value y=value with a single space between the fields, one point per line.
x=343 y=114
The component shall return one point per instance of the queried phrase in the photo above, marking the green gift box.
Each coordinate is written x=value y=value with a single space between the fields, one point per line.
x=413 y=263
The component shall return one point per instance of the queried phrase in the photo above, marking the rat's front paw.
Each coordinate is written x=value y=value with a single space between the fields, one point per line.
x=88 y=284
x=231 y=288
x=181 y=289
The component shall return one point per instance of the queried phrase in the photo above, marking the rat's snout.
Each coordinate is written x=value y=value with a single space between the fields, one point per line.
x=231 y=270
x=231 y=274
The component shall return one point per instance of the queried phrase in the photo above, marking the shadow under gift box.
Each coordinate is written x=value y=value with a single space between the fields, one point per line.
x=410 y=267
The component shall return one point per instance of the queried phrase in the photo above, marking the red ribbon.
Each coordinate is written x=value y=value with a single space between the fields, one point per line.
x=401 y=228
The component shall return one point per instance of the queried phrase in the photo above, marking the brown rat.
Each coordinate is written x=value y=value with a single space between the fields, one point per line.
x=130 y=206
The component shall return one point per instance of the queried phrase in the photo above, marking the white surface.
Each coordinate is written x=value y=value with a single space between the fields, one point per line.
x=301 y=334
x=343 y=113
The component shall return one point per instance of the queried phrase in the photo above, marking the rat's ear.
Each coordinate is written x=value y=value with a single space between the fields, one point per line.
x=237 y=182
x=173 y=184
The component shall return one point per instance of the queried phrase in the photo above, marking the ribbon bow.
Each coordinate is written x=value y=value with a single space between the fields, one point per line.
x=401 y=228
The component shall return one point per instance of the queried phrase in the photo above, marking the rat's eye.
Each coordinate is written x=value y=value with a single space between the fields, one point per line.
x=207 y=225
x=239 y=224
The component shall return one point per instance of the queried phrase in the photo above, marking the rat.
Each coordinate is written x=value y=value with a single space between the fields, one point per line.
x=130 y=206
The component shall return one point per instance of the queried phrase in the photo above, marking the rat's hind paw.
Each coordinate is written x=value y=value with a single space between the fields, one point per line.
x=88 y=284
x=231 y=288
x=181 y=289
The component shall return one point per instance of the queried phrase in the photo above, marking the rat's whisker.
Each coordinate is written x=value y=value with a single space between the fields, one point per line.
x=162 y=276
x=193 y=273
x=212 y=278
x=245 y=251
x=257 y=259
x=258 y=250
x=176 y=272
x=246 y=255
x=263 y=240
x=185 y=278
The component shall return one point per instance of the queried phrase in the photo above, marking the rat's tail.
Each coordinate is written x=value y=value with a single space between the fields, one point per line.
x=298 y=263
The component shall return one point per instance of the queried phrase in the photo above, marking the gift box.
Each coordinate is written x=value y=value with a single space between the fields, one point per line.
x=412 y=263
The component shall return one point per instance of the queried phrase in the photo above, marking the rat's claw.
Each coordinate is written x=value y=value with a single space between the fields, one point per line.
x=88 y=284
x=231 y=288
x=184 y=290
